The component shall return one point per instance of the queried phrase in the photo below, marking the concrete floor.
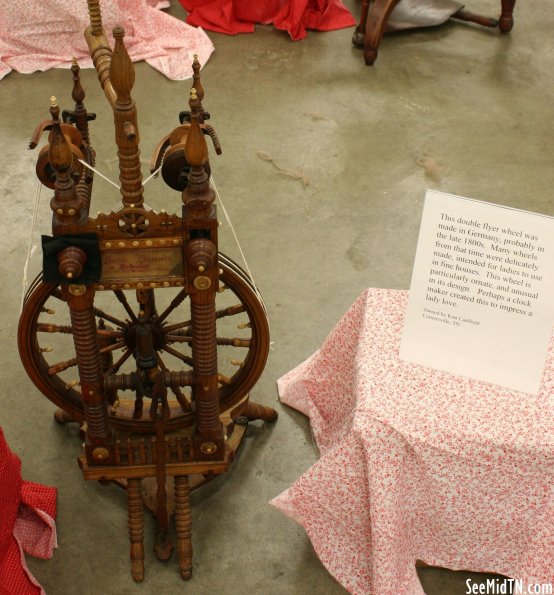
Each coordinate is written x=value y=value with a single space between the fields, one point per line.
x=455 y=108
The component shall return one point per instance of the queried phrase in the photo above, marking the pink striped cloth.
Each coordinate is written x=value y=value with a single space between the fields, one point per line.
x=38 y=35
x=418 y=464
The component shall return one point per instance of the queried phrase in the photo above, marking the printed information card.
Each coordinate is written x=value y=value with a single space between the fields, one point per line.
x=482 y=293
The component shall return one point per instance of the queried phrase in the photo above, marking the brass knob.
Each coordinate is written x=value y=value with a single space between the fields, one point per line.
x=208 y=448
x=100 y=453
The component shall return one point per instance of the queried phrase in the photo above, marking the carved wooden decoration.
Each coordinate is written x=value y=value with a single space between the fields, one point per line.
x=138 y=328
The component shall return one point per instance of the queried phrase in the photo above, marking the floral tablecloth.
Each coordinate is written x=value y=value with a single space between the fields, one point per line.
x=418 y=464
x=48 y=34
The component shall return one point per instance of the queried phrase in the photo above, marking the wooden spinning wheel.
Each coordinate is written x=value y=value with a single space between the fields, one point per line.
x=138 y=328
x=45 y=331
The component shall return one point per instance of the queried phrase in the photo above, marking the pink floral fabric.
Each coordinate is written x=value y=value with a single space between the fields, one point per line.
x=48 y=34
x=418 y=464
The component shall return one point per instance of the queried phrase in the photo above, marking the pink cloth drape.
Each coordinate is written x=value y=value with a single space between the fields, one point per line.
x=418 y=464
x=48 y=34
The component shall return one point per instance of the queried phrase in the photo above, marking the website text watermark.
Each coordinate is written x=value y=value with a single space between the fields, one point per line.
x=498 y=586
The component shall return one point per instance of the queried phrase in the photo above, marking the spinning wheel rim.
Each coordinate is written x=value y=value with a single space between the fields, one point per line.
x=69 y=399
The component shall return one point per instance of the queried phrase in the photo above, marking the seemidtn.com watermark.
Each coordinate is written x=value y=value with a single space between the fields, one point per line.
x=507 y=586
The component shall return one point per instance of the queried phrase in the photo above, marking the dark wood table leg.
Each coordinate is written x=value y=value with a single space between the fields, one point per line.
x=506 y=21
x=359 y=33
x=136 y=528
x=183 y=525
x=375 y=28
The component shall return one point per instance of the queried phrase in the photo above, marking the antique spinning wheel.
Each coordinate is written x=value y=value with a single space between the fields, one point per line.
x=138 y=328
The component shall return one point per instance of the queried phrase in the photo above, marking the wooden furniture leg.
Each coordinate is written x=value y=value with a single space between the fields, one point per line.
x=359 y=33
x=464 y=15
x=256 y=411
x=375 y=13
x=136 y=528
x=506 y=21
x=375 y=28
x=183 y=525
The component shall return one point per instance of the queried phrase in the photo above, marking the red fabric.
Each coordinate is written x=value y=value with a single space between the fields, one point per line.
x=27 y=511
x=293 y=16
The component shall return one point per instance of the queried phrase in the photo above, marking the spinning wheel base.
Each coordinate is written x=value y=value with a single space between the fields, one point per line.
x=142 y=489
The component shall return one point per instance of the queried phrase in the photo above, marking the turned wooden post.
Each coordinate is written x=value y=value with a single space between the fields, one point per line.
x=359 y=33
x=183 y=525
x=202 y=267
x=100 y=50
x=122 y=75
x=136 y=528
x=99 y=436
x=81 y=117
x=66 y=206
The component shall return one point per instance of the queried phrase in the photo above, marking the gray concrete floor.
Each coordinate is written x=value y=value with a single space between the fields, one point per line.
x=455 y=108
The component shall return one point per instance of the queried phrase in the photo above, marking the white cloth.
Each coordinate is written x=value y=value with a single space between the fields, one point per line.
x=409 y=14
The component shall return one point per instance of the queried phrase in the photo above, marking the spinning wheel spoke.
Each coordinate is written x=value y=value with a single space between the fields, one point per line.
x=113 y=347
x=62 y=366
x=175 y=327
x=175 y=338
x=109 y=334
x=184 y=358
x=230 y=311
x=115 y=367
x=176 y=301
x=54 y=328
x=222 y=379
x=109 y=318
x=234 y=342
x=123 y=301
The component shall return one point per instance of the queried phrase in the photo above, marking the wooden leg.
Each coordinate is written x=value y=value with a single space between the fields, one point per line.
x=376 y=22
x=136 y=528
x=183 y=525
x=256 y=411
x=506 y=21
x=359 y=33
x=63 y=417
x=464 y=15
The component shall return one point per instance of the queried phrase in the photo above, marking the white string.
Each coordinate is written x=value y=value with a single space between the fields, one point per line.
x=152 y=175
x=98 y=173
x=30 y=248
x=212 y=181
x=119 y=206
